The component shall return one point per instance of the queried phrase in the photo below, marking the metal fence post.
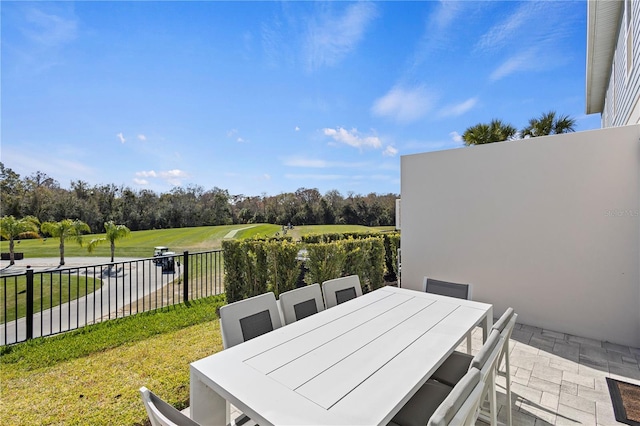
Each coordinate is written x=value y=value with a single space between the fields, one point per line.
x=29 y=315
x=185 y=276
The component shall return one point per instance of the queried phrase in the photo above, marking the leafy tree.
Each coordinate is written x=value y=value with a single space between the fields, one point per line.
x=482 y=133
x=114 y=233
x=40 y=195
x=11 y=191
x=12 y=228
x=549 y=124
x=66 y=229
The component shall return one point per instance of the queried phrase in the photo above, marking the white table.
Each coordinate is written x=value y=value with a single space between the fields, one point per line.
x=357 y=363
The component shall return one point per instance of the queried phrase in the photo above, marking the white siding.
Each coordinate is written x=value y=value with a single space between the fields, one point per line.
x=621 y=103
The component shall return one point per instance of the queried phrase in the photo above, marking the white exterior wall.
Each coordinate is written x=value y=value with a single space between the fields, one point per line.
x=549 y=226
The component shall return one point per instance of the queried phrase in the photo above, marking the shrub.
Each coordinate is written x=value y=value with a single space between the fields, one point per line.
x=326 y=261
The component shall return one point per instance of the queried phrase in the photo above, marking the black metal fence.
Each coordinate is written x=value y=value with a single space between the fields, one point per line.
x=56 y=300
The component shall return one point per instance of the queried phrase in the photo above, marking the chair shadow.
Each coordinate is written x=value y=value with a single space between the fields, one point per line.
x=524 y=410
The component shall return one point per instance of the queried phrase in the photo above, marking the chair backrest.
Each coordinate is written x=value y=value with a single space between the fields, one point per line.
x=504 y=326
x=506 y=322
x=486 y=358
x=340 y=290
x=461 y=406
x=245 y=319
x=301 y=303
x=445 y=288
x=162 y=414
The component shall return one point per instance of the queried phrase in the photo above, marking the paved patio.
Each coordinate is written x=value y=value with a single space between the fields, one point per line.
x=559 y=379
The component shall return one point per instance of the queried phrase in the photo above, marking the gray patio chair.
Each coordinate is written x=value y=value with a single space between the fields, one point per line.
x=505 y=326
x=162 y=414
x=486 y=360
x=340 y=290
x=301 y=303
x=445 y=288
x=435 y=404
x=245 y=319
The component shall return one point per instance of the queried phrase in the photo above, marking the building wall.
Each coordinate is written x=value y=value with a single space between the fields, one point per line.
x=549 y=226
x=622 y=101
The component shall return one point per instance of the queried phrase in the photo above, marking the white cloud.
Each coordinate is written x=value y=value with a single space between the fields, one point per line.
x=439 y=32
x=234 y=134
x=455 y=136
x=505 y=31
x=297 y=129
x=532 y=38
x=266 y=176
x=314 y=163
x=142 y=182
x=142 y=137
x=523 y=61
x=331 y=38
x=49 y=29
x=459 y=109
x=390 y=151
x=305 y=162
x=352 y=138
x=173 y=177
x=121 y=137
x=334 y=177
x=404 y=105
x=175 y=173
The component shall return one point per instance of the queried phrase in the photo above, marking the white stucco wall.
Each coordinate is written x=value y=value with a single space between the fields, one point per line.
x=549 y=226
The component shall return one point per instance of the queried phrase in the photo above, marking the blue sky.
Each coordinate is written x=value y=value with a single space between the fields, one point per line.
x=268 y=97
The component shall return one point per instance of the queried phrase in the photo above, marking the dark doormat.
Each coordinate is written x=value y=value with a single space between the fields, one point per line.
x=626 y=401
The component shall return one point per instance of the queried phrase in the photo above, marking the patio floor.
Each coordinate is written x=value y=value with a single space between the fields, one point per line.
x=560 y=379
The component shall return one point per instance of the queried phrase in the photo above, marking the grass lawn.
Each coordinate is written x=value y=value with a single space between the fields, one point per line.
x=49 y=290
x=140 y=244
x=92 y=376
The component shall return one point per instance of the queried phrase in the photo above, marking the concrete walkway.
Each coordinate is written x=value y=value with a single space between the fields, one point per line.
x=232 y=233
x=125 y=289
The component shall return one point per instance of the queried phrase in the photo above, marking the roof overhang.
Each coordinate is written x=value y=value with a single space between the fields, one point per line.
x=603 y=20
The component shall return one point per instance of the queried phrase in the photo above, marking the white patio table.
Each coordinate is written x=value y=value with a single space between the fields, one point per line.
x=355 y=364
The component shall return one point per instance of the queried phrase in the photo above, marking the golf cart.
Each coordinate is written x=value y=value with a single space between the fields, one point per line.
x=165 y=258
x=157 y=252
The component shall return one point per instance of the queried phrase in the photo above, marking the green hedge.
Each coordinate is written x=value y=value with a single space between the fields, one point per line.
x=256 y=266
x=335 y=236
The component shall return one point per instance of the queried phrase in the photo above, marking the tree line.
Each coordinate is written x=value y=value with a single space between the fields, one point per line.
x=41 y=196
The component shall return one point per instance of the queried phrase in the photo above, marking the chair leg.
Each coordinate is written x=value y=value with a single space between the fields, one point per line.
x=493 y=403
x=508 y=387
x=489 y=395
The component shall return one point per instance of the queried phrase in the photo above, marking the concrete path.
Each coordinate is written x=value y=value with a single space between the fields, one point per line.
x=126 y=289
x=232 y=234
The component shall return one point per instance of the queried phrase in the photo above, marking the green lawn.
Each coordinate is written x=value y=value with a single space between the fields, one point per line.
x=49 y=290
x=92 y=376
x=140 y=244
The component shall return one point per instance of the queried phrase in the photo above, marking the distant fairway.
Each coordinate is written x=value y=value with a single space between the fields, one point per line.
x=141 y=243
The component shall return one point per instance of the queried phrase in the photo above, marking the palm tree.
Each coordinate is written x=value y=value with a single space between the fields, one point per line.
x=66 y=229
x=482 y=133
x=549 y=124
x=114 y=233
x=12 y=228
